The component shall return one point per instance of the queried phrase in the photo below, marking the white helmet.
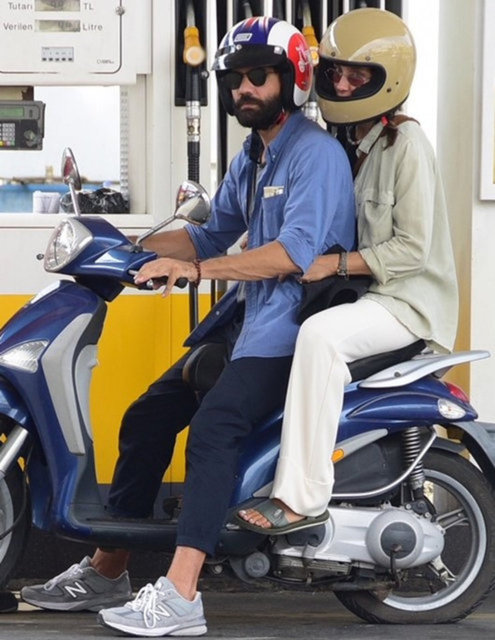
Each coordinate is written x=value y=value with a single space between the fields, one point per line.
x=267 y=42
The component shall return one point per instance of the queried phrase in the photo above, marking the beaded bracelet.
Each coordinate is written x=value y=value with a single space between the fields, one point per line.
x=197 y=264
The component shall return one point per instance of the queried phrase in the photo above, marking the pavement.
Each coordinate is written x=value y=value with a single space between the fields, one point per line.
x=257 y=616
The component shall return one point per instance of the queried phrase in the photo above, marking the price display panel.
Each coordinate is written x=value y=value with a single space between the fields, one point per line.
x=62 y=40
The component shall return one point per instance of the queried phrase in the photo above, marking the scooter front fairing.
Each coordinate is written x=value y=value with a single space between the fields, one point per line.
x=47 y=351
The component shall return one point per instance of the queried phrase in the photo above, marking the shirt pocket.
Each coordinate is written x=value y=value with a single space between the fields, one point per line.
x=374 y=216
x=272 y=216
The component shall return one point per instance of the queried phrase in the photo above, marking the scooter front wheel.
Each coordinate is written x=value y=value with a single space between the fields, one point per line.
x=14 y=512
x=454 y=586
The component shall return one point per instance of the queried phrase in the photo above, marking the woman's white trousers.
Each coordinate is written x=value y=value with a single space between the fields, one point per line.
x=319 y=374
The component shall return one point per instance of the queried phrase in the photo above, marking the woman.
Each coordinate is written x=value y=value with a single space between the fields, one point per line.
x=367 y=61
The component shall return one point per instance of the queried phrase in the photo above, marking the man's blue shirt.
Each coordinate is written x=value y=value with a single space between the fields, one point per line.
x=305 y=200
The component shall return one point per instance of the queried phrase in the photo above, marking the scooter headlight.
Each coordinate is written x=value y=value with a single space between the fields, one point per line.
x=66 y=242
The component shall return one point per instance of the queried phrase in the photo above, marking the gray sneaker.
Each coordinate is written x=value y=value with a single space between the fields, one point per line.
x=157 y=610
x=79 y=588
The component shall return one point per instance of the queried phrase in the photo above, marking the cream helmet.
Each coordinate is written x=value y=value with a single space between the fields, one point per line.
x=374 y=38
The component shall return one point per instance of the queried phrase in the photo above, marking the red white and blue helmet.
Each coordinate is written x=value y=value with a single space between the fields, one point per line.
x=267 y=42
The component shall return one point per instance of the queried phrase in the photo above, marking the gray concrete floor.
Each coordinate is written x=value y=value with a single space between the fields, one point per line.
x=257 y=616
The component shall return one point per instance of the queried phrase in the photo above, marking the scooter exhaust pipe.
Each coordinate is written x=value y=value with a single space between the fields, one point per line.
x=11 y=450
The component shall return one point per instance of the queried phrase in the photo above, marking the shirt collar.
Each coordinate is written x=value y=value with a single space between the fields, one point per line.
x=370 y=138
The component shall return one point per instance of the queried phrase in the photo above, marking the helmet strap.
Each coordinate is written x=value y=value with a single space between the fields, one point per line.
x=281 y=118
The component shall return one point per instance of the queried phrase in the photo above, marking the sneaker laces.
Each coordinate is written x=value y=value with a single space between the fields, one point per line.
x=71 y=572
x=147 y=602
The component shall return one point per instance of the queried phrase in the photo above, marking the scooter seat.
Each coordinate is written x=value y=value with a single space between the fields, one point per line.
x=365 y=367
x=204 y=366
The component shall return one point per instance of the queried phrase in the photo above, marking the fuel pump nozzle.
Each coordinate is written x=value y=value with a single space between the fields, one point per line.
x=193 y=56
x=310 y=109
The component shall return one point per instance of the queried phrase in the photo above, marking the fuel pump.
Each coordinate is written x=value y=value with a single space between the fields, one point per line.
x=194 y=94
x=311 y=107
x=243 y=9
x=337 y=7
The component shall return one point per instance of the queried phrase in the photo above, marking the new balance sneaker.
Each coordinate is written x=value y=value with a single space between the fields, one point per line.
x=158 y=610
x=79 y=588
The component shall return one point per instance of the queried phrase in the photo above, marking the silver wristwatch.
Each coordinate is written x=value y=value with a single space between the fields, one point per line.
x=342 y=266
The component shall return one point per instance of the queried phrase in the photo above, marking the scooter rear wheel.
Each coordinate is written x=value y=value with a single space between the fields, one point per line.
x=465 y=504
x=14 y=506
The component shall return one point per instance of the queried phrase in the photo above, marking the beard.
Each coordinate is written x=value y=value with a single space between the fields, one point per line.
x=262 y=116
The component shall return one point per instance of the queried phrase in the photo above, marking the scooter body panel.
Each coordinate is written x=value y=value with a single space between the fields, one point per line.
x=109 y=261
x=12 y=406
x=389 y=411
x=52 y=399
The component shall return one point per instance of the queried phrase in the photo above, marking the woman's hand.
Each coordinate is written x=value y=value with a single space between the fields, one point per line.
x=322 y=267
x=166 y=267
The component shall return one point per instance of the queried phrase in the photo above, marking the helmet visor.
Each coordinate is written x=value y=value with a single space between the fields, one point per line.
x=330 y=72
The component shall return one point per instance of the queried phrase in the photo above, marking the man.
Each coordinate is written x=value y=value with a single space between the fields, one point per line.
x=291 y=189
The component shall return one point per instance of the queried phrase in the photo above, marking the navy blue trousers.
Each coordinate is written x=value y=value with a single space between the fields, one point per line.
x=248 y=390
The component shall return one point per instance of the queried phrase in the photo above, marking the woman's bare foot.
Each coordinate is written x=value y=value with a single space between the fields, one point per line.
x=255 y=517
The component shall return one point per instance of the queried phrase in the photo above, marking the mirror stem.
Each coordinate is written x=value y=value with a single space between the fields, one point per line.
x=75 y=201
x=154 y=230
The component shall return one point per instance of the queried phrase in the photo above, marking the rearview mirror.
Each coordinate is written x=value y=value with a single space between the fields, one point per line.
x=192 y=204
x=71 y=177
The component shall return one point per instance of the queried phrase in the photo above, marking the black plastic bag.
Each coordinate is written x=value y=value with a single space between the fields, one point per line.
x=100 y=201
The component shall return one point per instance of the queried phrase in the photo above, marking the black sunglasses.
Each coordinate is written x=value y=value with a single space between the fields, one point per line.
x=257 y=77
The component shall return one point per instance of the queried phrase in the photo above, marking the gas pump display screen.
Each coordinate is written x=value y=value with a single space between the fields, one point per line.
x=11 y=112
x=62 y=26
x=57 y=5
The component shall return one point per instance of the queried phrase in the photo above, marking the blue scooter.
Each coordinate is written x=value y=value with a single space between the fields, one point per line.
x=411 y=532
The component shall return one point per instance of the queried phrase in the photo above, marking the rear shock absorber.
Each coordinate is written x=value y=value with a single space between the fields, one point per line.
x=411 y=448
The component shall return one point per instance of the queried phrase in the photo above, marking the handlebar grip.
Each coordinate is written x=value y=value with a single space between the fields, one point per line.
x=193 y=54
x=181 y=283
